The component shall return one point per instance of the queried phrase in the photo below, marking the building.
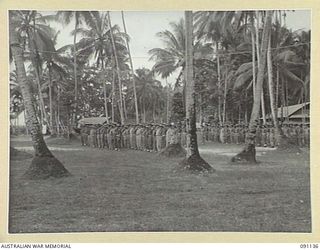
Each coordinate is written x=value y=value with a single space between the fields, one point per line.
x=298 y=113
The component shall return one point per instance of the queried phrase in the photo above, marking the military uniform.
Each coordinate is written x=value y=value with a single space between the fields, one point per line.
x=139 y=137
x=92 y=137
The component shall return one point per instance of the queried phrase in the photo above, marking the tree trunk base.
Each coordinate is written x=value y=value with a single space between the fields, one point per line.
x=43 y=167
x=173 y=150
x=195 y=163
x=247 y=155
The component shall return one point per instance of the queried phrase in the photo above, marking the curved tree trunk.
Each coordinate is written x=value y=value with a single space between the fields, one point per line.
x=248 y=154
x=118 y=70
x=193 y=160
x=44 y=164
x=38 y=81
x=75 y=70
x=253 y=58
x=280 y=137
x=53 y=129
x=132 y=72
x=258 y=56
x=219 y=83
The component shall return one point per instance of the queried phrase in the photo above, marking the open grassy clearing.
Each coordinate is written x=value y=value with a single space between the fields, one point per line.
x=139 y=191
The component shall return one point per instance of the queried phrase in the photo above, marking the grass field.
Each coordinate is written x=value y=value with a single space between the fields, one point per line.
x=139 y=191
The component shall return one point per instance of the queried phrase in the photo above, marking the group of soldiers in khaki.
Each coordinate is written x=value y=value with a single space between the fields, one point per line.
x=266 y=135
x=145 y=137
x=155 y=137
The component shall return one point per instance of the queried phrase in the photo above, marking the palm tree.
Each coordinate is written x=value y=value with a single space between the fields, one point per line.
x=37 y=35
x=249 y=153
x=118 y=70
x=97 y=43
x=193 y=160
x=209 y=28
x=44 y=164
x=132 y=70
x=79 y=17
x=55 y=63
x=149 y=92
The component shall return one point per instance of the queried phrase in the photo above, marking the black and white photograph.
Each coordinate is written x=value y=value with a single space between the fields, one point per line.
x=159 y=121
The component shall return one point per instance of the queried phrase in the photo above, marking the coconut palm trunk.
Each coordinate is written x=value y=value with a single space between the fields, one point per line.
x=224 y=111
x=53 y=129
x=112 y=96
x=253 y=58
x=132 y=71
x=248 y=154
x=105 y=101
x=118 y=69
x=76 y=17
x=193 y=160
x=281 y=139
x=219 y=83
x=104 y=93
x=44 y=164
x=258 y=56
x=35 y=65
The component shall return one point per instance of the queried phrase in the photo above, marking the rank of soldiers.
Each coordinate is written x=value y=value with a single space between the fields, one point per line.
x=155 y=137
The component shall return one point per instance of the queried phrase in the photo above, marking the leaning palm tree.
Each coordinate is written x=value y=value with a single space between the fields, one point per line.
x=44 y=164
x=118 y=70
x=37 y=36
x=132 y=70
x=248 y=154
x=193 y=160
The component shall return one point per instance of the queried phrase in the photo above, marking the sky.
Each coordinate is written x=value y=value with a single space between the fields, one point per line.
x=142 y=27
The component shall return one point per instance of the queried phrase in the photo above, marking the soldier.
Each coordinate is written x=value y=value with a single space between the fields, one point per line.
x=285 y=129
x=299 y=135
x=216 y=133
x=110 y=135
x=132 y=136
x=164 y=136
x=200 y=135
x=169 y=135
x=291 y=132
x=105 y=139
x=92 y=137
x=158 y=138
x=83 y=134
x=148 y=138
x=272 y=136
x=126 y=136
x=227 y=134
x=139 y=137
x=117 y=137
x=183 y=139
x=263 y=136
x=222 y=134
x=268 y=135
x=154 y=137
x=144 y=141
x=307 y=135
x=236 y=134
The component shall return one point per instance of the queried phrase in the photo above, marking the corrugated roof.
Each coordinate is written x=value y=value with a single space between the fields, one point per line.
x=290 y=110
x=93 y=120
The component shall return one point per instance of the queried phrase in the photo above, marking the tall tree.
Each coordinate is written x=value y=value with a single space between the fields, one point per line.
x=118 y=71
x=132 y=70
x=78 y=17
x=193 y=160
x=248 y=154
x=44 y=164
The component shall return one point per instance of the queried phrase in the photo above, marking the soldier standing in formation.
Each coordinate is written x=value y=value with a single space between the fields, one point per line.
x=155 y=137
